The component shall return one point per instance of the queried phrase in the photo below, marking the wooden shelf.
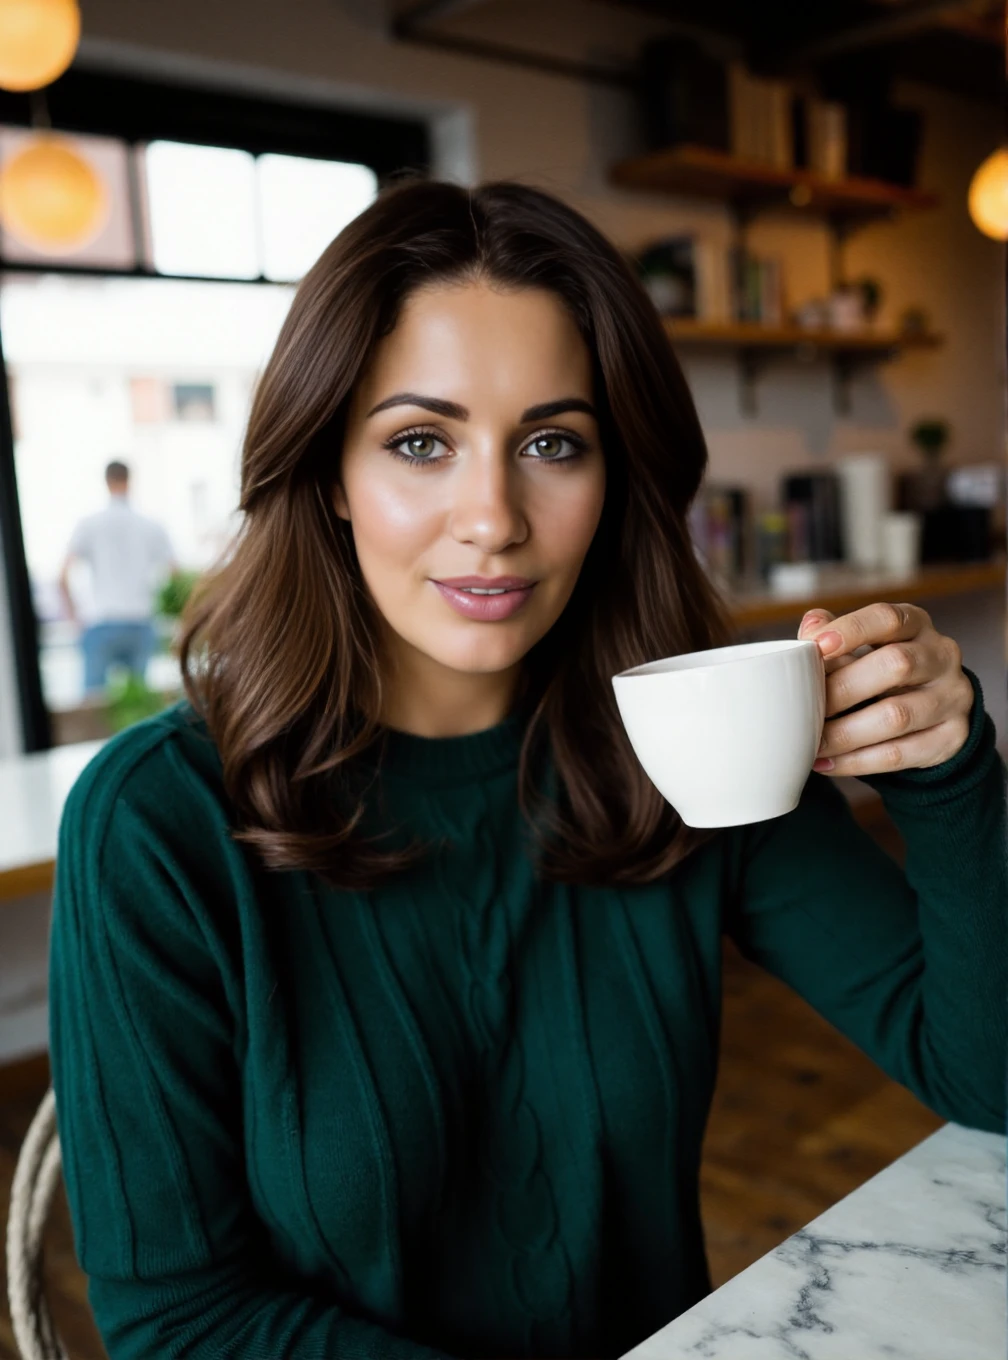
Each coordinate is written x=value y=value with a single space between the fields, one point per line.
x=699 y=171
x=747 y=335
x=842 y=589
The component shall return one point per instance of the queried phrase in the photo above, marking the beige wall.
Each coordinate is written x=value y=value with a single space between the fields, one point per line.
x=493 y=120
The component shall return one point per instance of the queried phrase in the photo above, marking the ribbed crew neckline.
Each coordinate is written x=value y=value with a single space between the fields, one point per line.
x=447 y=760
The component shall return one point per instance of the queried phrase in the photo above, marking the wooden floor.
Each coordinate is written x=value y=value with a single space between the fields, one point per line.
x=800 y=1118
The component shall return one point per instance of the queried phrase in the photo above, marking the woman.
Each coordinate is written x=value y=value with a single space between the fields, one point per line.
x=385 y=986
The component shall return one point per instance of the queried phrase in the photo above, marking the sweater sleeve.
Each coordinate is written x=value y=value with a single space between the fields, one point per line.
x=912 y=966
x=148 y=1097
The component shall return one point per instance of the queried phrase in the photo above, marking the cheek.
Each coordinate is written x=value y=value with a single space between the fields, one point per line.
x=568 y=520
x=391 y=519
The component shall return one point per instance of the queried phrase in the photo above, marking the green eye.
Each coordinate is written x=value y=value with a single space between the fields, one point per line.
x=547 y=439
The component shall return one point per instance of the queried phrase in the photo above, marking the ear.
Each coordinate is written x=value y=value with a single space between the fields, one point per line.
x=339 y=501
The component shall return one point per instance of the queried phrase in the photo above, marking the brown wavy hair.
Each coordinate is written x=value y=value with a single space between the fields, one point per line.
x=280 y=648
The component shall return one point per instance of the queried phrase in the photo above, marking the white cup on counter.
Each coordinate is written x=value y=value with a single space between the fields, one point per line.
x=901 y=543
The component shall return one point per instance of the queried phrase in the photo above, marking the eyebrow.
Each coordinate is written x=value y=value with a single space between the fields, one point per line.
x=453 y=411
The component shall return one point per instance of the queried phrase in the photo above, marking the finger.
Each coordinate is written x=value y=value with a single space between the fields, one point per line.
x=873 y=626
x=878 y=671
x=815 y=618
x=885 y=721
x=838 y=663
x=922 y=750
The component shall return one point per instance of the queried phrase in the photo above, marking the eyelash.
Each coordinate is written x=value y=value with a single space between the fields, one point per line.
x=392 y=445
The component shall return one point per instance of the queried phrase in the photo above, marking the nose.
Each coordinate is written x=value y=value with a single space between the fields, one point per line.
x=487 y=502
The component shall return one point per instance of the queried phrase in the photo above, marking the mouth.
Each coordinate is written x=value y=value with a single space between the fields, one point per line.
x=485 y=603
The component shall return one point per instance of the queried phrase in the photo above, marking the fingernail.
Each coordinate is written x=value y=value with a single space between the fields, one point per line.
x=810 y=620
x=829 y=642
x=823 y=765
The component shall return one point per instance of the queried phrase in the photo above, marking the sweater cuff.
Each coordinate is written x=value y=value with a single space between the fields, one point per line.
x=953 y=776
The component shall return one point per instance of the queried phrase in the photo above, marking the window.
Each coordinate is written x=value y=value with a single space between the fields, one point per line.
x=201 y=201
x=145 y=345
x=303 y=204
x=193 y=401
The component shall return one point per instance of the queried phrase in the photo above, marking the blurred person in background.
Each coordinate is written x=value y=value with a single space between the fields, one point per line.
x=129 y=555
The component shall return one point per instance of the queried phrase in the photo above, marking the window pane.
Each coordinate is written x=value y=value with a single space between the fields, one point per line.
x=304 y=203
x=201 y=202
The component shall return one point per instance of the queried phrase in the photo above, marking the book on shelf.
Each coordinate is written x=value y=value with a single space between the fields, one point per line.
x=713 y=296
x=760 y=118
x=826 y=138
x=758 y=295
x=719 y=527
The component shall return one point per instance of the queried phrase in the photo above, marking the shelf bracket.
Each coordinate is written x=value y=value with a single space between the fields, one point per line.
x=840 y=227
x=749 y=364
x=843 y=369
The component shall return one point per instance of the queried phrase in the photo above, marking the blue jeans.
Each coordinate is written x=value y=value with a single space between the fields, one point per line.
x=122 y=642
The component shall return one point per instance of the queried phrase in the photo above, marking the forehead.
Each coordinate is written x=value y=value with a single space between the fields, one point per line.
x=451 y=339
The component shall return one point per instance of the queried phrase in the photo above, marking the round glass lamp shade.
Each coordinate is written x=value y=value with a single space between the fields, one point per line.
x=51 y=198
x=988 y=196
x=38 y=39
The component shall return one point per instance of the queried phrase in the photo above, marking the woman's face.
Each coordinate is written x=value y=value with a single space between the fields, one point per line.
x=499 y=487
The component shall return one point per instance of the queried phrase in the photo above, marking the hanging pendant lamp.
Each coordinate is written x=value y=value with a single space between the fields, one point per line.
x=51 y=197
x=38 y=39
x=988 y=196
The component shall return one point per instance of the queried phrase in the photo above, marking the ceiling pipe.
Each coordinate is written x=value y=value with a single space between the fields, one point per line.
x=915 y=17
x=406 y=28
x=426 y=10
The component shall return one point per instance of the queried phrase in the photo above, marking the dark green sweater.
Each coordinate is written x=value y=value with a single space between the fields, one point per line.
x=462 y=1116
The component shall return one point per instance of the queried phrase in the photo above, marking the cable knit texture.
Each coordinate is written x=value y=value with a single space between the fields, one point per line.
x=462 y=1115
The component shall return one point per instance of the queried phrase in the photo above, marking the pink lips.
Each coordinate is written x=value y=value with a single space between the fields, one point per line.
x=485 y=608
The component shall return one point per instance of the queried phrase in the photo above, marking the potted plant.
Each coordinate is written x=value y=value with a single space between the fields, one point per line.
x=173 y=595
x=172 y=599
x=926 y=487
x=931 y=435
x=130 y=699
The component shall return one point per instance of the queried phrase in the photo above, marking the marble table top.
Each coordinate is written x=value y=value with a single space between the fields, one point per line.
x=910 y=1266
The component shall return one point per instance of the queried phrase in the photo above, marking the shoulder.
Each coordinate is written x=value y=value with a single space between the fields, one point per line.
x=85 y=526
x=160 y=779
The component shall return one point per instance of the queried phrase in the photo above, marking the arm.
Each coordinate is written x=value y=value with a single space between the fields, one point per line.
x=149 y=1106
x=913 y=967
x=64 y=588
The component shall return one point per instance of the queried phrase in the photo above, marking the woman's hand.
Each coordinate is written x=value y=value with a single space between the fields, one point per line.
x=890 y=654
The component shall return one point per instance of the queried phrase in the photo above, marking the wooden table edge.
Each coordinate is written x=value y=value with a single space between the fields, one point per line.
x=26 y=879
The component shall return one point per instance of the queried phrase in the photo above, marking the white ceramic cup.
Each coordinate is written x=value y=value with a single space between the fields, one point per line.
x=901 y=542
x=727 y=736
